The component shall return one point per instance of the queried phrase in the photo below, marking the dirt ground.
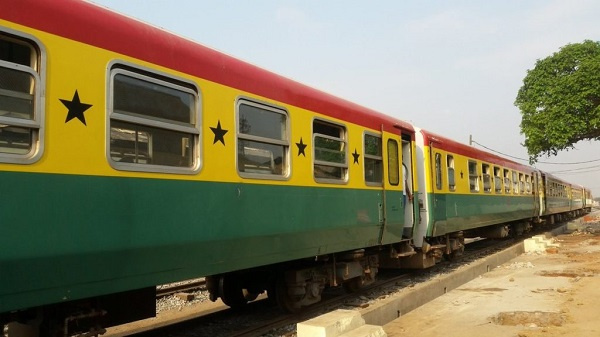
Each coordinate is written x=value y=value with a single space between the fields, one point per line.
x=551 y=293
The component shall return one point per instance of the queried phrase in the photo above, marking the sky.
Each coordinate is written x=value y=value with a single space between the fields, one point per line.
x=451 y=67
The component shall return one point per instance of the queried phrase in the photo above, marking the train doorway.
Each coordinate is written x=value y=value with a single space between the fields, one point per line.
x=407 y=187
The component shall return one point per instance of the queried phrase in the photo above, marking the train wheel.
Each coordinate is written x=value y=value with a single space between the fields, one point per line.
x=231 y=292
x=353 y=285
x=249 y=295
x=284 y=300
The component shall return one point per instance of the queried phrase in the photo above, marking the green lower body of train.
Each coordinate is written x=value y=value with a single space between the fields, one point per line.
x=459 y=212
x=67 y=237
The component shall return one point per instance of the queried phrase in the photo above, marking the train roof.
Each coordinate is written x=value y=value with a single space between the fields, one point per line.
x=98 y=26
x=453 y=146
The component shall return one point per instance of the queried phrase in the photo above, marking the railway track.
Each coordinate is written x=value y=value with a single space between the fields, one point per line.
x=180 y=287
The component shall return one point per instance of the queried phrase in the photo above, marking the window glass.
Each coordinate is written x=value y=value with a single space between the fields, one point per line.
x=153 y=123
x=20 y=106
x=330 y=152
x=497 y=179
x=262 y=140
x=450 y=163
x=393 y=163
x=373 y=160
x=150 y=99
x=521 y=183
x=515 y=182
x=473 y=177
x=487 y=178
x=507 y=182
x=438 y=171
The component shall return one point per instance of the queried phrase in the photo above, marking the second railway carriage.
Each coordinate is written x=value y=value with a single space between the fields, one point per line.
x=468 y=191
x=558 y=197
x=588 y=200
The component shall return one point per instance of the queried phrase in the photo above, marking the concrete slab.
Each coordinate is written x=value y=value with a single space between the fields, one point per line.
x=332 y=324
x=366 y=331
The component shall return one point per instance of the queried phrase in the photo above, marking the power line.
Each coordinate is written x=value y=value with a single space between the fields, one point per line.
x=569 y=172
x=527 y=160
x=579 y=169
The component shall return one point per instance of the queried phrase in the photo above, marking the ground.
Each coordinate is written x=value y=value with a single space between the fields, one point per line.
x=550 y=293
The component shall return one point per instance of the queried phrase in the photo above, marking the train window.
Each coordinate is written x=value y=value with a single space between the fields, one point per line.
x=473 y=177
x=521 y=183
x=527 y=184
x=438 y=171
x=21 y=108
x=487 y=178
x=373 y=160
x=263 y=140
x=152 y=123
x=330 y=152
x=450 y=165
x=393 y=163
x=497 y=179
x=515 y=182
x=507 y=182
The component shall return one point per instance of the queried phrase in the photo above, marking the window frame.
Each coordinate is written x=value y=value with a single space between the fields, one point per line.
x=507 y=181
x=438 y=170
x=343 y=139
x=486 y=177
x=393 y=166
x=473 y=163
x=498 y=180
x=371 y=157
x=515 y=182
x=450 y=172
x=166 y=80
x=521 y=183
x=36 y=124
x=287 y=168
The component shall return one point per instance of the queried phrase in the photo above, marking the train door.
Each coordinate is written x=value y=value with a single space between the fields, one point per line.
x=398 y=193
x=408 y=195
x=541 y=188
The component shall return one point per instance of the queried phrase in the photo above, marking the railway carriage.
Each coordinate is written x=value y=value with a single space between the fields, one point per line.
x=588 y=201
x=468 y=192
x=557 y=197
x=131 y=157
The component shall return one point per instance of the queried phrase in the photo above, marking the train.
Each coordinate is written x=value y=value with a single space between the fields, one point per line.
x=132 y=157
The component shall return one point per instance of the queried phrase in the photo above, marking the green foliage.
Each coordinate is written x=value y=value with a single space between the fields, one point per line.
x=560 y=100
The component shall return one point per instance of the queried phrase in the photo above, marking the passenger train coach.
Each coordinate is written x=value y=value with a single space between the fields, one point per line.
x=131 y=157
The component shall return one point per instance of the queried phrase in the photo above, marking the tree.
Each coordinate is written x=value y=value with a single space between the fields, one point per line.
x=560 y=100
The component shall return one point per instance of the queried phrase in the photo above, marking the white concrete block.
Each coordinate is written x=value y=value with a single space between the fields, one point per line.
x=332 y=324
x=539 y=243
x=534 y=245
x=366 y=331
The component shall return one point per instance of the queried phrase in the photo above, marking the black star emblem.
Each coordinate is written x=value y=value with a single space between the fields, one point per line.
x=301 y=148
x=76 y=108
x=219 y=133
x=356 y=156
